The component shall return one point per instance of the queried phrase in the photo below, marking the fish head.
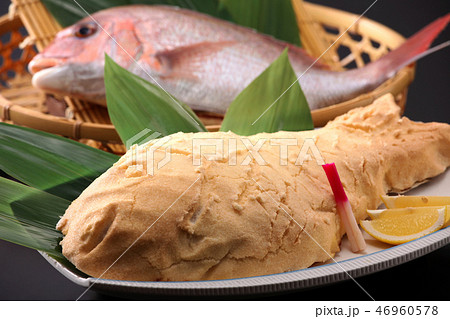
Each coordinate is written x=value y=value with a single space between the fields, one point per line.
x=73 y=63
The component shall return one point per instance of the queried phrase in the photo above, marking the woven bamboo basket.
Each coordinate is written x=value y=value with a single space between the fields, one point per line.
x=29 y=27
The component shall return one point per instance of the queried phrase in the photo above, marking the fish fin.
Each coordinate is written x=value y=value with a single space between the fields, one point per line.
x=183 y=62
x=296 y=52
x=412 y=50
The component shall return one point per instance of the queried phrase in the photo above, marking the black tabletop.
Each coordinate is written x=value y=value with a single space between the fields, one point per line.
x=25 y=275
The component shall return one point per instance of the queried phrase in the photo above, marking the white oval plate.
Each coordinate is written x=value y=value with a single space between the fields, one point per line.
x=378 y=256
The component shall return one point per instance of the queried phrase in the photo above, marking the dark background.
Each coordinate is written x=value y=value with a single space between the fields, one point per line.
x=25 y=275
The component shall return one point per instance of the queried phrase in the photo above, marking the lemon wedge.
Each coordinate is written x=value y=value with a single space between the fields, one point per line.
x=386 y=213
x=398 y=226
x=415 y=201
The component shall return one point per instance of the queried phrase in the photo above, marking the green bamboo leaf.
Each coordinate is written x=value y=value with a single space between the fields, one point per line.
x=28 y=217
x=51 y=163
x=259 y=107
x=274 y=17
x=136 y=105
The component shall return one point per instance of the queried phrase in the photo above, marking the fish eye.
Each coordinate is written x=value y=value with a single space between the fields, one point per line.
x=85 y=30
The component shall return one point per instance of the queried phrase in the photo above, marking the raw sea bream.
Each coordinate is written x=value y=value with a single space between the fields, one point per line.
x=203 y=61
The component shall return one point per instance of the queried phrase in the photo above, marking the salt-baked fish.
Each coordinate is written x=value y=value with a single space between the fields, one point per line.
x=230 y=216
x=203 y=61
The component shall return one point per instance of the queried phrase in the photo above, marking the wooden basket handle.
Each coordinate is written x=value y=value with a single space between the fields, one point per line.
x=313 y=39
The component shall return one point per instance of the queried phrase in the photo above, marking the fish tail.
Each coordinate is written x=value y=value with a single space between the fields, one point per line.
x=410 y=51
x=361 y=80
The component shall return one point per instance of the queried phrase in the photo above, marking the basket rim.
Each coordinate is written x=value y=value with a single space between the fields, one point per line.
x=364 y=22
x=23 y=116
x=57 y=125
